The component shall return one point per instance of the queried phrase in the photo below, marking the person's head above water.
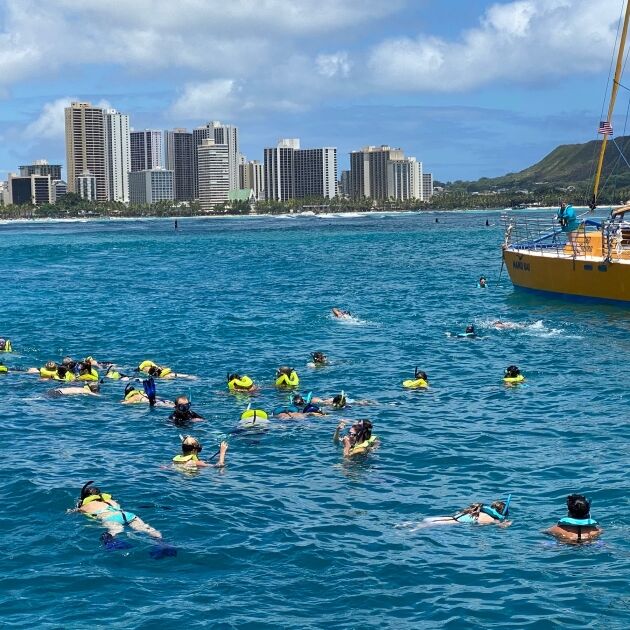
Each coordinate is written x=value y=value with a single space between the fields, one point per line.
x=470 y=329
x=499 y=506
x=319 y=357
x=190 y=444
x=284 y=370
x=233 y=377
x=88 y=490
x=578 y=506
x=68 y=362
x=298 y=400
x=129 y=388
x=421 y=374
x=339 y=401
x=360 y=431
x=511 y=371
x=182 y=405
x=50 y=365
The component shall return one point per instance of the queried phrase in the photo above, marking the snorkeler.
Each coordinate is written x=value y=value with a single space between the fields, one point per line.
x=242 y=384
x=578 y=526
x=97 y=504
x=470 y=331
x=420 y=380
x=358 y=440
x=299 y=408
x=191 y=448
x=341 y=314
x=286 y=378
x=318 y=359
x=482 y=284
x=477 y=514
x=52 y=371
x=158 y=371
x=5 y=345
x=512 y=375
x=135 y=396
x=87 y=372
x=183 y=413
x=113 y=374
x=89 y=389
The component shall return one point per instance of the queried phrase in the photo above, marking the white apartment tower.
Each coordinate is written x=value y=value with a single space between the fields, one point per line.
x=404 y=179
x=86 y=147
x=222 y=135
x=213 y=173
x=118 y=155
x=251 y=176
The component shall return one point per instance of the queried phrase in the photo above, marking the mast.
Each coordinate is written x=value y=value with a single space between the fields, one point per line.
x=611 y=105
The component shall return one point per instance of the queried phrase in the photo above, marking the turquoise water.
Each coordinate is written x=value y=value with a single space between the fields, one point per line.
x=288 y=534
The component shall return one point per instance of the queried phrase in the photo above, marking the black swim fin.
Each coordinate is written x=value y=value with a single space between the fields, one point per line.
x=162 y=550
x=111 y=543
x=149 y=390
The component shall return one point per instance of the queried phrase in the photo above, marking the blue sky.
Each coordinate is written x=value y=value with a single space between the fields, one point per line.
x=471 y=88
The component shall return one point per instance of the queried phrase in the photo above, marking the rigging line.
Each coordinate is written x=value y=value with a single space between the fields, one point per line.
x=620 y=152
x=620 y=84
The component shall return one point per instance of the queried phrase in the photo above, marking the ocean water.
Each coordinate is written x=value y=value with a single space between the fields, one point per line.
x=289 y=534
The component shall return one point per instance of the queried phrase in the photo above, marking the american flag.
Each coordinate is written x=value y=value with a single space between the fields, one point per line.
x=605 y=127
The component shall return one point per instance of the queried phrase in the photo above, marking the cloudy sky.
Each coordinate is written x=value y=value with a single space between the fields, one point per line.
x=470 y=87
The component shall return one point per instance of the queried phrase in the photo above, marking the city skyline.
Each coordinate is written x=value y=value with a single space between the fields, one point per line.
x=472 y=89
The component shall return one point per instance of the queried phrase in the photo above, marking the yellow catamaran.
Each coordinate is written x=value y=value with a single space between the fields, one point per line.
x=592 y=260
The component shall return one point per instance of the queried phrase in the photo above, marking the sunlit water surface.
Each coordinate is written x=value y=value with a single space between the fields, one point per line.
x=288 y=534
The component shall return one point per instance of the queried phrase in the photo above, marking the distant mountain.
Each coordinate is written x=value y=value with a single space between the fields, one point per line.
x=567 y=165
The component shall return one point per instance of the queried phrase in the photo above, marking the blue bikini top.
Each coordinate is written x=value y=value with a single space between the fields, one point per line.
x=567 y=520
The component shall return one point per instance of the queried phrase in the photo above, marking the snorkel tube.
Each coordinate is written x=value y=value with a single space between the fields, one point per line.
x=84 y=494
x=507 y=506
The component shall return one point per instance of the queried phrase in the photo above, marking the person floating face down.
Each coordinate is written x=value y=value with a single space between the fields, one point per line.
x=191 y=448
x=577 y=526
x=496 y=513
x=100 y=505
x=358 y=440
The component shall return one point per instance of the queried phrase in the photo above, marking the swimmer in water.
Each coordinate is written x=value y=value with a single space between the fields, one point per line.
x=189 y=458
x=183 y=414
x=89 y=389
x=340 y=314
x=5 y=345
x=358 y=440
x=97 y=504
x=319 y=359
x=482 y=284
x=135 y=396
x=158 y=371
x=113 y=374
x=299 y=409
x=241 y=384
x=578 y=526
x=477 y=514
x=512 y=375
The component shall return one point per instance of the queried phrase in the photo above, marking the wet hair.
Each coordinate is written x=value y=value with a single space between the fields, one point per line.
x=285 y=370
x=511 y=371
x=578 y=505
x=499 y=506
x=128 y=388
x=84 y=366
x=154 y=370
x=62 y=370
x=298 y=400
x=362 y=431
x=68 y=362
x=231 y=377
x=318 y=357
x=191 y=445
x=421 y=374
x=470 y=328
x=88 y=490
x=50 y=365
x=339 y=401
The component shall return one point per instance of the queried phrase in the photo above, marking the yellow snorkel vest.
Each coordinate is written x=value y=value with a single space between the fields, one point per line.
x=415 y=383
x=240 y=384
x=286 y=382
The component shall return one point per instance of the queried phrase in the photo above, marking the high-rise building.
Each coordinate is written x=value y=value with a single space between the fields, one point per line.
x=222 y=135
x=214 y=173
x=427 y=186
x=251 y=176
x=31 y=189
x=344 y=183
x=316 y=173
x=150 y=186
x=59 y=190
x=147 y=151
x=85 y=185
x=294 y=173
x=404 y=179
x=41 y=167
x=118 y=155
x=86 y=146
x=178 y=152
x=368 y=171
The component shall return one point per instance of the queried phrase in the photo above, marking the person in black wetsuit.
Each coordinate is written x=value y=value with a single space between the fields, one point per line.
x=182 y=413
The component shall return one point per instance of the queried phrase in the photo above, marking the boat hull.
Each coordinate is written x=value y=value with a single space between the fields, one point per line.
x=582 y=278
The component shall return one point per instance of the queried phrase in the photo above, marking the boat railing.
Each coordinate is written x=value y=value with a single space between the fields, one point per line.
x=608 y=238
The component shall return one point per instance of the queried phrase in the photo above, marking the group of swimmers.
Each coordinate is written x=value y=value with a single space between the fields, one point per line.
x=576 y=527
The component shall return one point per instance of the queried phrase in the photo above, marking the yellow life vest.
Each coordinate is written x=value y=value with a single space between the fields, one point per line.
x=514 y=379
x=284 y=381
x=145 y=365
x=364 y=445
x=44 y=373
x=257 y=414
x=97 y=497
x=7 y=346
x=240 y=384
x=182 y=459
x=3 y=369
x=133 y=393
x=165 y=372
x=415 y=384
x=92 y=376
x=113 y=375
x=68 y=377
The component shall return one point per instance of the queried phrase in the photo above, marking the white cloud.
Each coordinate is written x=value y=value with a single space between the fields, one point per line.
x=524 y=41
x=50 y=124
x=337 y=64
x=209 y=100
